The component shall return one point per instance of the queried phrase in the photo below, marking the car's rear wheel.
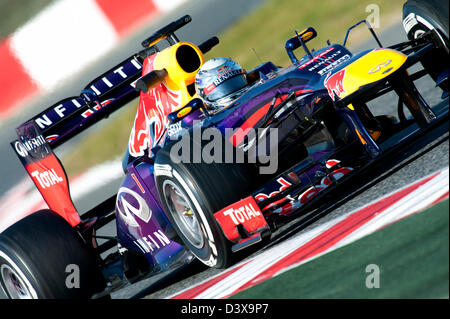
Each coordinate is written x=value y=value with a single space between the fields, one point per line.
x=42 y=257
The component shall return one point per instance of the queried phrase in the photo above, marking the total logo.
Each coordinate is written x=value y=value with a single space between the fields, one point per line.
x=130 y=204
x=47 y=178
x=246 y=213
x=241 y=214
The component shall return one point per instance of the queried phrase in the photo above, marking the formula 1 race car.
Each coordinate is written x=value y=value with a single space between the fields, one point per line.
x=202 y=184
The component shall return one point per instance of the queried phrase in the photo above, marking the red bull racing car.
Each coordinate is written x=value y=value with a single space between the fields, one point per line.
x=205 y=182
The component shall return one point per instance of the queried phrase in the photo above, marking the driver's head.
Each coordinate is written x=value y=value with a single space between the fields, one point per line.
x=219 y=81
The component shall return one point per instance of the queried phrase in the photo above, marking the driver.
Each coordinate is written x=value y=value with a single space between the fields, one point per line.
x=219 y=82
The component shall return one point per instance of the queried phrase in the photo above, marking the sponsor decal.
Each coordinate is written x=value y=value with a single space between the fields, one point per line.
x=51 y=181
x=378 y=67
x=59 y=112
x=207 y=90
x=154 y=106
x=335 y=84
x=174 y=128
x=310 y=193
x=20 y=149
x=325 y=61
x=48 y=178
x=226 y=76
x=102 y=85
x=221 y=71
x=328 y=180
x=409 y=22
x=336 y=175
x=316 y=58
x=333 y=64
x=151 y=242
x=23 y=148
x=245 y=212
x=183 y=112
x=130 y=204
x=261 y=196
x=91 y=111
x=242 y=213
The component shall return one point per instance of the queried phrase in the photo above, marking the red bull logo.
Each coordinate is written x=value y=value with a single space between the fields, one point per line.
x=154 y=106
x=335 y=84
x=221 y=71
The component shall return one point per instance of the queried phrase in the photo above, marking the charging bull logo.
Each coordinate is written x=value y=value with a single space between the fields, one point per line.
x=151 y=117
x=335 y=84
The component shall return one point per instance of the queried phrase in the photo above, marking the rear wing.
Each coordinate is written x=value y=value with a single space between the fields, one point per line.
x=104 y=95
x=37 y=137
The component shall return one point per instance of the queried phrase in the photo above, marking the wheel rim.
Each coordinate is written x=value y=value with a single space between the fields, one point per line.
x=183 y=214
x=13 y=283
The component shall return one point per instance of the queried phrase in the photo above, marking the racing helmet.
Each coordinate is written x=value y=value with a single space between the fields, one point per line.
x=219 y=82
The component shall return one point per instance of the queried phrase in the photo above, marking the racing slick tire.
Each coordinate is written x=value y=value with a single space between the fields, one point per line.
x=420 y=16
x=192 y=192
x=42 y=257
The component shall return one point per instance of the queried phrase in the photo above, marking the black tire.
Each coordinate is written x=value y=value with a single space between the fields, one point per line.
x=420 y=16
x=435 y=12
x=37 y=258
x=206 y=189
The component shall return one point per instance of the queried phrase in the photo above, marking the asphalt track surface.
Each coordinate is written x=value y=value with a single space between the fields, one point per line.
x=209 y=17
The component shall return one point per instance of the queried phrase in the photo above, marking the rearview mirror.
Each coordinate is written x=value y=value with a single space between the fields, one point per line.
x=305 y=35
x=192 y=106
x=298 y=40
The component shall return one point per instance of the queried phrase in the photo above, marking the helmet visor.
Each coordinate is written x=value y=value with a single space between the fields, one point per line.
x=222 y=89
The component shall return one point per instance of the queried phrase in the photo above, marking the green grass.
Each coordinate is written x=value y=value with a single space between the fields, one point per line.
x=412 y=255
x=265 y=30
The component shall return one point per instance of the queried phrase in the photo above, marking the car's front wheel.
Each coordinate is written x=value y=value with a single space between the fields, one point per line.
x=421 y=16
x=191 y=193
